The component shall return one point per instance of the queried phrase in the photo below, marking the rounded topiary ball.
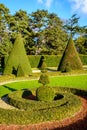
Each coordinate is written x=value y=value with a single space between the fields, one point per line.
x=45 y=93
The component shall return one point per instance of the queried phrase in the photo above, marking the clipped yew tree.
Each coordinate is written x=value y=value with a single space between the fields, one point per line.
x=70 y=59
x=45 y=92
x=18 y=62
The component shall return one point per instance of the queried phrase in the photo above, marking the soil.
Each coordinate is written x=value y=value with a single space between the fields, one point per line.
x=77 y=122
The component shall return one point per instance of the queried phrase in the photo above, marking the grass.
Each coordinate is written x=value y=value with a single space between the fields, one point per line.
x=77 y=81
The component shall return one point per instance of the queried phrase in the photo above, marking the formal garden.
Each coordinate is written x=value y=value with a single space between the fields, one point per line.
x=43 y=91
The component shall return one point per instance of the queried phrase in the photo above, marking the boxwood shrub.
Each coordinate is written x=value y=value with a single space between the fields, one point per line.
x=45 y=93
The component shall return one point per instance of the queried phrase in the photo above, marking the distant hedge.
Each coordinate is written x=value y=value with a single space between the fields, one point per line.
x=51 y=60
x=84 y=59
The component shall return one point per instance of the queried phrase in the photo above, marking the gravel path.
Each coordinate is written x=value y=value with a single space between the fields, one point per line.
x=4 y=104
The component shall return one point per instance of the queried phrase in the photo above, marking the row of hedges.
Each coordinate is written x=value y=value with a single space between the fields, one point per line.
x=51 y=60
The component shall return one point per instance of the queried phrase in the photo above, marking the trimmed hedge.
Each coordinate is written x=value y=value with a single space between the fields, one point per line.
x=21 y=103
x=39 y=111
x=51 y=60
x=26 y=104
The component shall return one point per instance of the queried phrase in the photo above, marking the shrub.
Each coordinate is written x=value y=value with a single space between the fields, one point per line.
x=20 y=71
x=70 y=56
x=41 y=61
x=17 y=57
x=44 y=79
x=43 y=65
x=45 y=93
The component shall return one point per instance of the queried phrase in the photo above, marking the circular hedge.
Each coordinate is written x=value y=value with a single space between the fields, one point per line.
x=61 y=98
x=64 y=105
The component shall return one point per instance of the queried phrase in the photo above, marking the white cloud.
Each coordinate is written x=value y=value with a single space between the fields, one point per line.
x=79 y=5
x=47 y=3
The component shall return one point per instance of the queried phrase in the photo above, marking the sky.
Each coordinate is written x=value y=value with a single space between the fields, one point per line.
x=63 y=8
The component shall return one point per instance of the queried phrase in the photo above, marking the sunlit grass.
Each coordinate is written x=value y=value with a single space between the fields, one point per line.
x=79 y=82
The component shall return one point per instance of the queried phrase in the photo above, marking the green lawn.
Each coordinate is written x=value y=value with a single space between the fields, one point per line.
x=79 y=82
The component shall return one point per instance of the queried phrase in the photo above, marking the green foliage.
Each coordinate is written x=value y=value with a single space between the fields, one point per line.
x=83 y=59
x=81 y=44
x=41 y=61
x=51 y=60
x=71 y=25
x=45 y=93
x=30 y=112
x=50 y=37
x=17 y=57
x=44 y=78
x=43 y=66
x=20 y=71
x=70 y=57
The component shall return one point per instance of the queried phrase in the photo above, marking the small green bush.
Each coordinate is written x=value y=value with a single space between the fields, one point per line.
x=44 y=79
x=45 y=93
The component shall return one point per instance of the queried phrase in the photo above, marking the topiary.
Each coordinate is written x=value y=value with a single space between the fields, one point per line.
x=70 y=59
x=20 y=71
x=41 y=61
x=45 y=93
x=16 y=57
x=44 y=79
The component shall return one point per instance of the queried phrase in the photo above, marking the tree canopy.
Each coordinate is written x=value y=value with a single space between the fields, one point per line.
x=43 y=32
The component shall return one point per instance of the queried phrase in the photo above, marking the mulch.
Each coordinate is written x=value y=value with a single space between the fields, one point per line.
x=77 y=122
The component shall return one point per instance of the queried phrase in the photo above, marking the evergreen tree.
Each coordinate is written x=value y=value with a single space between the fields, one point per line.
x=17 y=57
x=70 y=59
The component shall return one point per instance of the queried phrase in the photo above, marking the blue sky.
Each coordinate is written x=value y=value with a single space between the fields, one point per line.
x=63 y=8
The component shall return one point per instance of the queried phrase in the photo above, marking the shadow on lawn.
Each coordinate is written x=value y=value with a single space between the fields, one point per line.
x=11 y=89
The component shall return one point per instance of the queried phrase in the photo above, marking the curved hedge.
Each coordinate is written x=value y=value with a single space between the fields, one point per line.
x=29 y=104
x=38 y=111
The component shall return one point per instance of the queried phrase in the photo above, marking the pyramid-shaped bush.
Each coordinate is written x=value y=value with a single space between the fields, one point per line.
x=18 y=58
x=70 y=59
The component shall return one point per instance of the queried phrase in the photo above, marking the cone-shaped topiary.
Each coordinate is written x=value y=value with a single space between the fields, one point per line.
x=41 y=61
x=70 y=59
x=18 y=57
